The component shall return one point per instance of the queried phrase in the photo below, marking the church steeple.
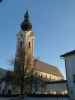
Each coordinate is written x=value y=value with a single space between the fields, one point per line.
x=26 y=24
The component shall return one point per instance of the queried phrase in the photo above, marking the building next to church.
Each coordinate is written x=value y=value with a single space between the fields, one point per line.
x=69 y=58
x=48 y=77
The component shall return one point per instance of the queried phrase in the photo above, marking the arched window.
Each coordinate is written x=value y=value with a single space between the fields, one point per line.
x=20 y=44
x=29 y=45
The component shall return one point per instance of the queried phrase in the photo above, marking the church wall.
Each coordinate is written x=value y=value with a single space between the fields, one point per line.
x=50 y=87
x=48 y=76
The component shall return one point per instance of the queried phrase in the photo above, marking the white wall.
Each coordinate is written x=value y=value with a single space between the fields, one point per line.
x=59 y=87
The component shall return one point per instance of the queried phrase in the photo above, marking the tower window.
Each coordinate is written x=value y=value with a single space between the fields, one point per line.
x=20 y=44
x=29 y=45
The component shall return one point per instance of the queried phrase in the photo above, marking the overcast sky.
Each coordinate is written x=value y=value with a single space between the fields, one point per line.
x=53 y=23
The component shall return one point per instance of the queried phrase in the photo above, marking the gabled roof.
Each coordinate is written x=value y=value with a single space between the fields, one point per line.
x=68 y=53
x=44 y=67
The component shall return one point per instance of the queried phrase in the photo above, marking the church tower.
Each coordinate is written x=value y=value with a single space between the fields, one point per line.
x=24 y=47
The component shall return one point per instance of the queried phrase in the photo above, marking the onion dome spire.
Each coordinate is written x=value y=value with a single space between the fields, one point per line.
x=26 y=24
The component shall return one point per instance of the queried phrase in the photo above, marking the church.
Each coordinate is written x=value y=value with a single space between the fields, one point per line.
x=25 y=48
x=47 y=79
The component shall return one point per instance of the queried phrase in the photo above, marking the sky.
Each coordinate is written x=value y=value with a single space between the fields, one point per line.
x=53 y=23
